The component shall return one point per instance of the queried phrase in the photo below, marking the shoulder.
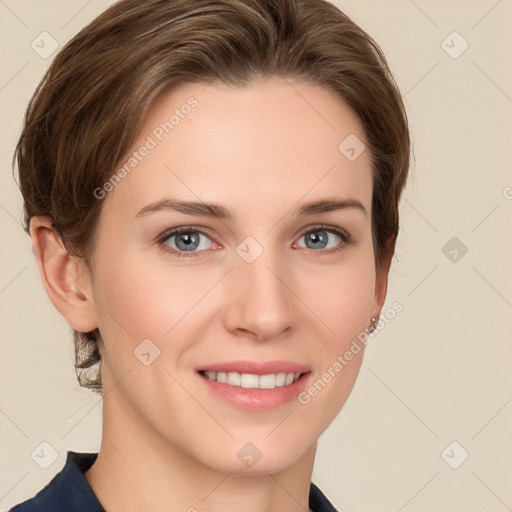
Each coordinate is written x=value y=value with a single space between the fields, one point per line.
x=68 y=490
x=318 y=502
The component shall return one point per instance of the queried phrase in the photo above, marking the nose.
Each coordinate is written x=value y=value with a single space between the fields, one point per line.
x=259 y=298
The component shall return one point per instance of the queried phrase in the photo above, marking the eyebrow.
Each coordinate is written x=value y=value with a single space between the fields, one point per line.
x=221 y=212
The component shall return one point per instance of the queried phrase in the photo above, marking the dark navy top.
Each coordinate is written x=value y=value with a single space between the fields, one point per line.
x=69 y=491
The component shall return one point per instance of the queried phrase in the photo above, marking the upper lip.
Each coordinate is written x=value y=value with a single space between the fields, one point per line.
x=256 y=367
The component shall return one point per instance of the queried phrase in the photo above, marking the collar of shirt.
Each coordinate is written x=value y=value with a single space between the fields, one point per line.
x=69 y=491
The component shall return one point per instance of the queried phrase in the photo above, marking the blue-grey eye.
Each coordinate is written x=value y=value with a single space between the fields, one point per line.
x=187 y=241
x=319 y=238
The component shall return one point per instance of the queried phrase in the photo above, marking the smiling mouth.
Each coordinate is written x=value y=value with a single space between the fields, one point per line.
x=251 y=380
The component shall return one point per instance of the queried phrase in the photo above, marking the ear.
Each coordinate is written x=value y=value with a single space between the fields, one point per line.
x=63 y=276
x=381 y=280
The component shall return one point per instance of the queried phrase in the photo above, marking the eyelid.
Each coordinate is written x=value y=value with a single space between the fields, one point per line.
x=183 y=229
x=327 y=227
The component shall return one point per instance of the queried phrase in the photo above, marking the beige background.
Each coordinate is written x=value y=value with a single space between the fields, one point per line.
x=439 y=372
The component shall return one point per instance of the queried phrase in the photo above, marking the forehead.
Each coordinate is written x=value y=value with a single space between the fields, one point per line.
x=274 y=141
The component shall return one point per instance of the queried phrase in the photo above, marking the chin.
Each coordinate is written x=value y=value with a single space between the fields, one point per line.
x=257 y=457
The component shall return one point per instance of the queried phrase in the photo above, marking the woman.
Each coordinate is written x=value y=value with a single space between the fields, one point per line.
x=212 y=193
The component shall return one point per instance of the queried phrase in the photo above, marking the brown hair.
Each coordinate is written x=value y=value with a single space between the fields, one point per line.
x=88 y=108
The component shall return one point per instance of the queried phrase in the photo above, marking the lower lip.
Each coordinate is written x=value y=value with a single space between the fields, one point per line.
x=256 y=399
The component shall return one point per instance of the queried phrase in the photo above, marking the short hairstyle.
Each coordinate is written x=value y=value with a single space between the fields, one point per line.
x=90 y=105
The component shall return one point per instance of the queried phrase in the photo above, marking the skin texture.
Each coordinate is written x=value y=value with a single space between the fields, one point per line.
x=168 y=443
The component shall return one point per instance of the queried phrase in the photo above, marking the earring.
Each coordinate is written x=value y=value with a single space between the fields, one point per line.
x=373 y=324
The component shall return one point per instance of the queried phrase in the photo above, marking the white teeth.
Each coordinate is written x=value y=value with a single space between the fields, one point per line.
x=267 y=381
x=233 y=378
x=247 y=380
x=252 y=381
x=280 y=378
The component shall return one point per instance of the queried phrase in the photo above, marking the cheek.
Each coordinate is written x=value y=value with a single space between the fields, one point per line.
x=342 y=301
x=143 y=301
x=341 y=296
x=140 y=301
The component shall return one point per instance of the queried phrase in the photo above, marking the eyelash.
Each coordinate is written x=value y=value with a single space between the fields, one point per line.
x=345 y=237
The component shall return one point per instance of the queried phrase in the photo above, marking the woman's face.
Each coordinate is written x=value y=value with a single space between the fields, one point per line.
x=266 y=285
